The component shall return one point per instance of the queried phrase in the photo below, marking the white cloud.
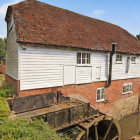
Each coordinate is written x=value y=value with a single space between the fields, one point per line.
x=3 y=8
x=97 y=13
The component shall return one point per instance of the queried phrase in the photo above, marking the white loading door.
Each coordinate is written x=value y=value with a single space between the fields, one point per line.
x=69 y=75
x=98 y=73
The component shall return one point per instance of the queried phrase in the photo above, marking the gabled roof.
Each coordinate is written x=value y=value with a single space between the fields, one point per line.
x=41 y=23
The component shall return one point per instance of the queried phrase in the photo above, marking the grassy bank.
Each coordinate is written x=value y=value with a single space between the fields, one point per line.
x=22 y=129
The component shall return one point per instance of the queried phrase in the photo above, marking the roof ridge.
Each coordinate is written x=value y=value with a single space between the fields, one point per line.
x=58 y=26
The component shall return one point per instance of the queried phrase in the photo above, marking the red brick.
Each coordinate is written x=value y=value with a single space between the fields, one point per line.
x=113 y=93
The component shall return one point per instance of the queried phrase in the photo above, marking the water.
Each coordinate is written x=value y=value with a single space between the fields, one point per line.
x=130 y=126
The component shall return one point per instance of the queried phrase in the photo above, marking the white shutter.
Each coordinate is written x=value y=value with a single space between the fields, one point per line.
x=98 y=72
x=69 y=75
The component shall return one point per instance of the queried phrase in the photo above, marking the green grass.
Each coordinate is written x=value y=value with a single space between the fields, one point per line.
x=4 y=109
x=23 y=129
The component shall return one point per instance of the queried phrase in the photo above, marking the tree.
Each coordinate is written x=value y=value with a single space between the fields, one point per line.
x=2 y=48
x=138 y=37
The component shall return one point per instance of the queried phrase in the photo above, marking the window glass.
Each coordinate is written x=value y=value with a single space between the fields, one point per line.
x=83 y=58
x=133 y=59
x=88 y=58
x=119 y=58
x=78 y=58
x=127 y=88
x=100 y=94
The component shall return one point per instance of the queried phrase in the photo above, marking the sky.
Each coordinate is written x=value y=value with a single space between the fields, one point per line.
x=125 y=13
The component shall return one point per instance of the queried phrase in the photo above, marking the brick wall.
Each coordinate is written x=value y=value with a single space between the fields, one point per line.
x=15 y=83
x=113 y=93
x=3 y=67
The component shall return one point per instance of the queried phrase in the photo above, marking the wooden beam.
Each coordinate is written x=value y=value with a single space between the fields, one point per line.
x=106 y=134
x=115 y=137
x=96 y=131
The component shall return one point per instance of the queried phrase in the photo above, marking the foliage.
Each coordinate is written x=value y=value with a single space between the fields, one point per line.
x=138 y=37
x=4 y=109
x=6 y=90
x=2 y=48
x=23 y=129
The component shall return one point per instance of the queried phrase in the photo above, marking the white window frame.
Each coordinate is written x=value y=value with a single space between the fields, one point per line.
x=86 y=59
x=101 y=99
x=130 y=88
x=133 y=62
x=119 y=61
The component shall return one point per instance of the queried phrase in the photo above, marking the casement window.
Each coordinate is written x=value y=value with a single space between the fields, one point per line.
x=100 y=95
x=133 y=59
x=83 y=58
x=127 y=88
x=119 y=58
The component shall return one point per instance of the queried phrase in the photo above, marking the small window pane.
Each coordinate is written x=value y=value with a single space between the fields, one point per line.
x=83 y=58
x=133 y=59
x=127 y=88
x=100 y=94
x=78 y=58
x=118 y=57
x=88 y=58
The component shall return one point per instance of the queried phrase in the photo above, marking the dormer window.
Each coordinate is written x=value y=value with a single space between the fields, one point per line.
x=83 y=58
x=119 y=58
x=133 y=59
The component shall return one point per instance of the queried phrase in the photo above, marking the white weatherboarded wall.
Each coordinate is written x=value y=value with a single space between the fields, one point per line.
x=43 y=67
x=83 y=75
x=12 y=51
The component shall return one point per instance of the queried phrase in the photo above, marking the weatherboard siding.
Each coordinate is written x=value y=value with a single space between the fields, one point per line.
x=12 y=53
x=44 y=67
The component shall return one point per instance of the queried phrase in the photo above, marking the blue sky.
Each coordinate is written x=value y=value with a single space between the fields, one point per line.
x=125 y=13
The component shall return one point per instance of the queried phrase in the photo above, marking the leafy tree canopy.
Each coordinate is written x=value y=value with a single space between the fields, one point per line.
x=2 y=48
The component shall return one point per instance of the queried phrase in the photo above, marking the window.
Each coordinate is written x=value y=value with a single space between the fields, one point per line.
x=100 y=96
x=127 y=88
x=133 y=59
x=127 y=64
x=83 y=58
x=118 y=58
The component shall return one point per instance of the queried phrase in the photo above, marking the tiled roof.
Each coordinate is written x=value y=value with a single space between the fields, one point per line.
x=40 y=23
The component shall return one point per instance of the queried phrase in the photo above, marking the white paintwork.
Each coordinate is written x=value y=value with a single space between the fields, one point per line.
x=12 y=52
x=98 y=73
x=83 y=74
x=69 y=75
x=42 y=67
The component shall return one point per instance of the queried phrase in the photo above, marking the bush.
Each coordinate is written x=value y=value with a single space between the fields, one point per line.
x=23 y=129
x=7 y=90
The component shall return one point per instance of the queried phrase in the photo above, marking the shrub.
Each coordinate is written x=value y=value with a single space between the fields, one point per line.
x=7 y=90
x=27 y=130
x=23 y=129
